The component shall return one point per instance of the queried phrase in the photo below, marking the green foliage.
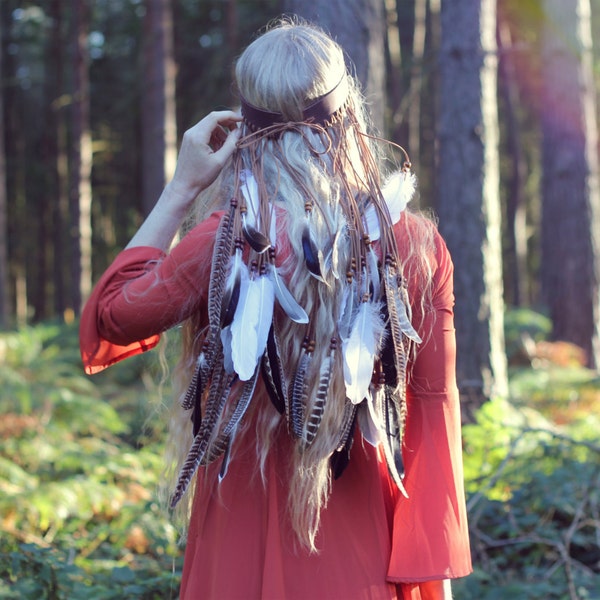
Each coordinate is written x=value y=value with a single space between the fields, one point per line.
x=523 y=321
x=77 y=474
x=532 y=477
x=78 y=468
x=534 y=506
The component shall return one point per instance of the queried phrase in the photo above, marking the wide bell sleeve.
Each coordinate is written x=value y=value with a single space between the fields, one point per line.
x=97 y=353
x=430 y=538
x=142 y=294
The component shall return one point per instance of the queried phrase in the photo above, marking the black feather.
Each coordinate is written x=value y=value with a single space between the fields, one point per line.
x=257 y=240
x=340 y=459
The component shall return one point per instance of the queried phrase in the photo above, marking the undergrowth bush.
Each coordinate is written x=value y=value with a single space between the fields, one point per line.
x=79 y=465
x=80 y=459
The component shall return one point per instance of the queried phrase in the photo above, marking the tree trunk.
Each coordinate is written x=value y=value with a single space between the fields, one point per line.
x=570 y=192
x=469 y=205
x=80 y=192
x=159 y=128
x=359 y=27
x=403 y=26
x=416 y=79
x=393 y=66
x=58 y=126
x=4 y=297
x=516 y=215
x=16 y=175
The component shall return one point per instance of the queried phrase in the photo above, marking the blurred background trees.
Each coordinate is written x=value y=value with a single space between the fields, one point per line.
x=493 y=99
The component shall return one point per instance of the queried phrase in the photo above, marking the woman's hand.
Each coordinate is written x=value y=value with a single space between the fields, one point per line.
x=204 y=151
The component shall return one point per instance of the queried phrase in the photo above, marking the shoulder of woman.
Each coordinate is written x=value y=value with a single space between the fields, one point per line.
x=425 y=256
x=417 y=236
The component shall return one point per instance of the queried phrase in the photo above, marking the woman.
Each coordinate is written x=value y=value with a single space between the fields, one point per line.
x=317 y=432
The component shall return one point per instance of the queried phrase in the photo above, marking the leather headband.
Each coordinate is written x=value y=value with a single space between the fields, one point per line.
x=319 y=111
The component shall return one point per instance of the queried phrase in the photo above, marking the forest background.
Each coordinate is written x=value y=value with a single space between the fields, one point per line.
x=494 y=101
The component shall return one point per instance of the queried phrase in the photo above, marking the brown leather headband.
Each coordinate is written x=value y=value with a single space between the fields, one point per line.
x=320 y=111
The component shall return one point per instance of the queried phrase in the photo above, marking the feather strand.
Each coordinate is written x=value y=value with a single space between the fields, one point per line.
x=273 y=375
x=298 y=391
x=318 y=408
x=287 y=302
x=360 y=349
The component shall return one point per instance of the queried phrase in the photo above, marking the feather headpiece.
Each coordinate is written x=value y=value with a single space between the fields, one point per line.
x=349 y=253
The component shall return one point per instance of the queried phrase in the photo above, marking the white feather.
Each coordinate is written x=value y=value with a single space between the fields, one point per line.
x=374 y=273
x=243 y=329
x=359 y=351
x=285 y=298
x=346 y=309
x=226 y=339
x=371 y=222
x=249 y=189
x=370 y=423
x=265 y=314
x=397 y=192
x=235 y=268
x=251 y=323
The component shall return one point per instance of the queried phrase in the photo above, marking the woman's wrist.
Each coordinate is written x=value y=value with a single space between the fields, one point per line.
x=163 y=222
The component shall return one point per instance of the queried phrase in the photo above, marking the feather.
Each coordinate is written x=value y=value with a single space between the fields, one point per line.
x=218 y=275
x=273 y=373
x=265 y=315
x=226 y=436
x=226 y=339
x=371 y=417
x=393 y=355
x=197 y=416
x=397 y=192
x=226 y=333
x=316 y=414
x=359 y=351
x=298 y=392
x=389 y=407
x=405 y=325
x=193 y=396
x=287 y=302
x=231 y=292
x=393 y=292
x=373 y=270
x=251 y=324
x=258 y=241
x=243 y=330
x=251 y=225
x=219 y=391
x=313 y=257
x=368 y=427
x=226 y=458
x=249 y=189
x=333 y=259
x=395 y=417
x=241 y=406
x=190 y=394
x=393 y=469
x=371 y=222
x=346 y=311
x=341 y=456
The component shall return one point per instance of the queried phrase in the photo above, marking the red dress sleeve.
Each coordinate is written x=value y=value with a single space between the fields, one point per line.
x=143 y=293
x=430 y=537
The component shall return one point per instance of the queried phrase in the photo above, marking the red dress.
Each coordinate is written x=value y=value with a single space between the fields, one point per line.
x=374 y=543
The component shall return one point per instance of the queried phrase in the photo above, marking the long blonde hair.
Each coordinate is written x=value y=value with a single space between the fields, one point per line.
x=282 y=71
